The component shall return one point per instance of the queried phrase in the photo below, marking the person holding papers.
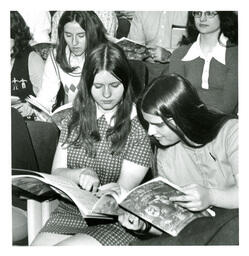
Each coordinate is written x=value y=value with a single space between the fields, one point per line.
x=154 y=29
x=78 y=33
x=26 y=65
x=101 y=142
x=198 y=151
x=208 y=58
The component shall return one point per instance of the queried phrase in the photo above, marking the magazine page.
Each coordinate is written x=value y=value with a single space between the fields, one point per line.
x=150 y=202
x=132 y=49
x=31 y=188
x=63 y=108
x=33 y=101
x=61 y=113
x=84 y=200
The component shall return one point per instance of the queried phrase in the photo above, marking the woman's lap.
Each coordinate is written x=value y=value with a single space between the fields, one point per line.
x=67 y=220
x=202 y=231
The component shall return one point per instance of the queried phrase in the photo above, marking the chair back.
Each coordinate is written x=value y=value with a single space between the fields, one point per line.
x=44 y=138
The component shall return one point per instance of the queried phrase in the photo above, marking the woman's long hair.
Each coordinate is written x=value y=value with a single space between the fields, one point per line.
x=107 y=56
x=19 y=31
x=95 y=34
x=228 y=26
x=172 y=96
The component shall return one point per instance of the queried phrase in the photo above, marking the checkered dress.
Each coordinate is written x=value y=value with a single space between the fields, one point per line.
x=66 y=219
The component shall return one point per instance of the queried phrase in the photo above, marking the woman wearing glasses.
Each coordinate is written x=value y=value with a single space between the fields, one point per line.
x=208 y=58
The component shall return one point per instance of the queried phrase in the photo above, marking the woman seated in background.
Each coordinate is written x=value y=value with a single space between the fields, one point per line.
x=26 y=65
x=197 y=150
x=78 y=32
x=208 y=58
x=108 y=18
x=101 y=142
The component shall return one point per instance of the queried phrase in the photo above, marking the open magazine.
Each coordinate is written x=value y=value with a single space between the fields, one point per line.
x=31 y=184
x=43 y=114
x=133 y=50
x=149 y=201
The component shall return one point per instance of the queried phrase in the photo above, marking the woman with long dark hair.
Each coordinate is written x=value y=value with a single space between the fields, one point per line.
x=101 y=142
x=78 y=33
x=26 y=65
x=208 y=58
x=197 y=150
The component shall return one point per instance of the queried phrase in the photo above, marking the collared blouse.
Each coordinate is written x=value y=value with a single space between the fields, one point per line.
x=215 y=76
x=213 y=166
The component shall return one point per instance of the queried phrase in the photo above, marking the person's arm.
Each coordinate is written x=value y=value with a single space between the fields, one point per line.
x=109 y=21
x=159 y=54
x=229 y=100
x=199 y=197
x=176 y=65
x=85 y=177
x=36 y=69
x=131 y=175
x=136 y=32
x=50 y=85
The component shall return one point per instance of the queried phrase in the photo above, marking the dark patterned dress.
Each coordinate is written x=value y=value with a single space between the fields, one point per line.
x=66 y=219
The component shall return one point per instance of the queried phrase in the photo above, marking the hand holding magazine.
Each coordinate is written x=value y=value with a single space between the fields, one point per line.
x=149 y=201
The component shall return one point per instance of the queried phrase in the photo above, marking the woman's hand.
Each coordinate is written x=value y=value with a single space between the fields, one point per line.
x=196 y=198
x=24 y=109
x=131 y=222
x=159 y=54
x=88 y=179
x=113 y=189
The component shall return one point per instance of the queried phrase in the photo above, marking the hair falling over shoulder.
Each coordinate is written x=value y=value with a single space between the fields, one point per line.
x=109 y=57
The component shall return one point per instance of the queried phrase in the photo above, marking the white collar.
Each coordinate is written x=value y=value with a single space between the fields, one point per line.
x=219 y=51
x=109 y=115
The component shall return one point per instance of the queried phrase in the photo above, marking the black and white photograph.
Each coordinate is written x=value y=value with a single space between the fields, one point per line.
x=107 y=100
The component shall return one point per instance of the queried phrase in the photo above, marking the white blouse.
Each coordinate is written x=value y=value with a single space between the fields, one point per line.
x=218 y=52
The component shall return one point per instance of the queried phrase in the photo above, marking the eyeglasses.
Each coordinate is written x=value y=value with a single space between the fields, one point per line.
x=207 y=14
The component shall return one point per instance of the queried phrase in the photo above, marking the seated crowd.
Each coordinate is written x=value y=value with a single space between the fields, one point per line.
x=190 y=112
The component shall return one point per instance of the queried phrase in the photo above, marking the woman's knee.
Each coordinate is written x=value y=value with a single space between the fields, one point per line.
x=44 y=239
x=79 y=240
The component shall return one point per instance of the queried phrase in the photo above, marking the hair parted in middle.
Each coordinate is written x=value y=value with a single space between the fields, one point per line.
x=172 y=96
x=90 y=22
x=109 y=57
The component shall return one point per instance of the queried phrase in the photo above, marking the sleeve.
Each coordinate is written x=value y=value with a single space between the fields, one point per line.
x=54 y=27
x=136 y=29
x=109 y=20
x=42 y=27
x=176 y=65
x=50 y=85
x=139 y=148
x=181 y=18
x=232 y=145
x=229 y=103
x=36 y=68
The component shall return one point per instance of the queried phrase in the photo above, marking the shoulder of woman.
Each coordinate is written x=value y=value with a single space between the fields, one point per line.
x=230 y=127
x=181 y=51
x=35 y=57
x=232 y=52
